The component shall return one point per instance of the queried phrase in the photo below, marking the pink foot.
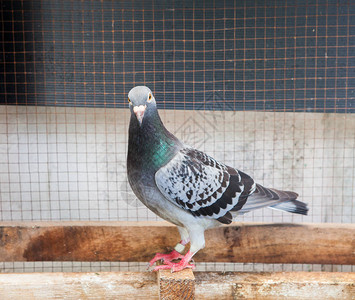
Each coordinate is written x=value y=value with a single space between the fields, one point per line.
x=175 y=267
x=166 y=258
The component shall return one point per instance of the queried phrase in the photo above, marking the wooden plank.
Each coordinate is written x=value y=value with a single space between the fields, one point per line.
x=177 y=285
x=139 y=241
x=143 y=285
x=270 y=286
x=105 y=285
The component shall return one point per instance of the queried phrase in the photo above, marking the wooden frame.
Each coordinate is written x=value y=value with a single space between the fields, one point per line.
x=138 y=241
x=204 y=285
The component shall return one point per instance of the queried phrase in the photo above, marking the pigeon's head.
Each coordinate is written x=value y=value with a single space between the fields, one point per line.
x=141 y=102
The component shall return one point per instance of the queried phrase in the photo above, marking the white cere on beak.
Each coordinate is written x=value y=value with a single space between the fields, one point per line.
x=139 y=112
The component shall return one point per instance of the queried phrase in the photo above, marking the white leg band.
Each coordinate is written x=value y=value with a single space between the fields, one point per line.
x=179 y=247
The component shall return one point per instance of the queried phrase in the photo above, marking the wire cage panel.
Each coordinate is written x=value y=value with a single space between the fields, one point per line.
x=264 y=86
x=219 y=55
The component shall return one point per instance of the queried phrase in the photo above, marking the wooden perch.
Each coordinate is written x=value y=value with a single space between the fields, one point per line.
x=139 y=241
x=129 y=285
x=178 y=285
x=105 y=285
x=280 y=285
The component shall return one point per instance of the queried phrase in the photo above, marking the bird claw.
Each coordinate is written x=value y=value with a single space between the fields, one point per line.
x=169 y=265
x=165 y=258
x=180 y=267
x=175 y=267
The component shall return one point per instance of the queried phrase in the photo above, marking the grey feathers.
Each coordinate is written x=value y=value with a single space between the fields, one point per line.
x=139 y=95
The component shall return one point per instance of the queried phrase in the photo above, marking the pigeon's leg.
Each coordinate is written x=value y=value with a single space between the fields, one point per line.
x=176 y=253
x=197 y=243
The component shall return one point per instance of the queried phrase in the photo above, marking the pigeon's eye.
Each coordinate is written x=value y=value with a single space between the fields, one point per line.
x=150 y=97
x=129 y=101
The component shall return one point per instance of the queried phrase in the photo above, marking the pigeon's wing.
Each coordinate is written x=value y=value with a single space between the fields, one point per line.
x=198 y=183
x=276 y=199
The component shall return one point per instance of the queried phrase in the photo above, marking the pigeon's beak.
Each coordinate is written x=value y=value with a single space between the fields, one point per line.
x=139 y=112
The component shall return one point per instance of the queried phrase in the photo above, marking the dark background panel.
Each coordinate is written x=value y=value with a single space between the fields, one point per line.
x=218 y=55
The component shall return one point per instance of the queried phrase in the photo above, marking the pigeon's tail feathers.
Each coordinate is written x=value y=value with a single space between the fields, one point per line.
x=292 y=206
x=276 y=199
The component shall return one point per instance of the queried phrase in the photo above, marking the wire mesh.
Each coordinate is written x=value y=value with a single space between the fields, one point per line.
x=265 y=86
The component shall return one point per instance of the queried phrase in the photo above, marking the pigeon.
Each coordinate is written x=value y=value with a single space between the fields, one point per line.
x=186 y=186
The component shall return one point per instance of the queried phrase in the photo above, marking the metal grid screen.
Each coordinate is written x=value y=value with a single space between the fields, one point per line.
x=265 y=86
x=242 y=55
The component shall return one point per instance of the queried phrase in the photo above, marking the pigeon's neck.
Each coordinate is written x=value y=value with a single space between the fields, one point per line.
x=151 y=145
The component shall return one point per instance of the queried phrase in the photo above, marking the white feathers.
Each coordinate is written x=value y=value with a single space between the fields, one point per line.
x=192 y=185
x=199 y=184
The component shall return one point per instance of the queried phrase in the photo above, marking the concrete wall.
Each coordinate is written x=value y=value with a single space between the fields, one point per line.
x=69 y=163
